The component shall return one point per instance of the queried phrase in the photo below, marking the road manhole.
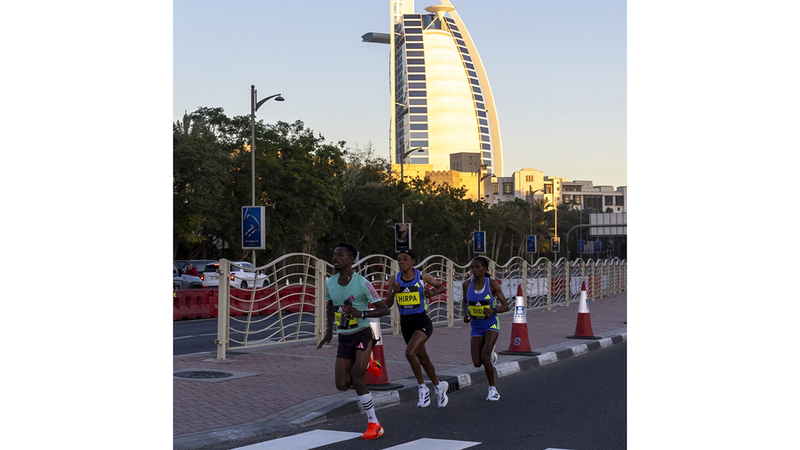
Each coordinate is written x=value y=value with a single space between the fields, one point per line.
x=202 y=374
x=209 y=376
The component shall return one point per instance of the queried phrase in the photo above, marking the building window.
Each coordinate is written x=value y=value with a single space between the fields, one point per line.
x=494 y=189
x=593 y=201
x=609 y=201
x=508 y=188
x=620 y=200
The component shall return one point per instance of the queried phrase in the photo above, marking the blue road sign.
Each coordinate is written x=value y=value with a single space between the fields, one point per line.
x=530 y=244
x=478 y=242
x=253 y=233
x=598 y=246
x=581 y=243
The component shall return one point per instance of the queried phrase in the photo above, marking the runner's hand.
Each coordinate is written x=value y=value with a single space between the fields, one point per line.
x=467 y=319
x=325 y=340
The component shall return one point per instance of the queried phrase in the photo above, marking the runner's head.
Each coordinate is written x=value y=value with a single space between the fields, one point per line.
x=479 y=267
x=406 y=260
x=343 y=256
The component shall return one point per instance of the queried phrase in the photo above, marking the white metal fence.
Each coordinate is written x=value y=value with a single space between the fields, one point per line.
x=292 y=305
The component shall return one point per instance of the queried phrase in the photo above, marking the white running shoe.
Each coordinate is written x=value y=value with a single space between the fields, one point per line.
x=424 y=397
x=441 y=391
x=493 y=395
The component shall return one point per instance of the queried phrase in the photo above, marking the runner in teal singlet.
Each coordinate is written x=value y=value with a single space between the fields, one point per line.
x=355 y=334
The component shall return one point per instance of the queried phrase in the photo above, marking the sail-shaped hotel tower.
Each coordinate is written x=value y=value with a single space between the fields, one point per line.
x=441 y=100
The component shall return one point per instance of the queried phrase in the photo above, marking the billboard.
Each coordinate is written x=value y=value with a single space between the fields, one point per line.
x=402 y=237
x=616 y=224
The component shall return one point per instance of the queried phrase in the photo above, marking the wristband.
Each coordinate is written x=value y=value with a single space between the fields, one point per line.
x=363 y=314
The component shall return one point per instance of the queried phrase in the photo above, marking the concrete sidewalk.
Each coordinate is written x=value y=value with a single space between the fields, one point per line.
x=272 y=389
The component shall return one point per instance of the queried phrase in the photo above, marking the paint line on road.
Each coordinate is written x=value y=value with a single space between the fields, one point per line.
x=438 y=444
x=303 y=441
x=194 y=336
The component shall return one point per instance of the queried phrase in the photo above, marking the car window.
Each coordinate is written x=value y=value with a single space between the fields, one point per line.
x=211 y=268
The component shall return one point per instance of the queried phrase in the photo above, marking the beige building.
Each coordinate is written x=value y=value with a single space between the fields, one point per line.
x=468 y=180
x=526 y=184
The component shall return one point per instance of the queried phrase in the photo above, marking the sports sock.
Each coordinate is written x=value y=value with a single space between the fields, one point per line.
x=366 y=403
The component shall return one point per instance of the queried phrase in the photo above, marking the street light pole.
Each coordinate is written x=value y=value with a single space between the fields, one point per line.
x=480 y=180
x=555 y=203
x=403 y=158
x=402 y=179
x=254 y=105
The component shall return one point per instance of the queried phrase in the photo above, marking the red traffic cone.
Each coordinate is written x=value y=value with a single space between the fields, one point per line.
x=519 y=329
x=583 y=330
x=380 y=382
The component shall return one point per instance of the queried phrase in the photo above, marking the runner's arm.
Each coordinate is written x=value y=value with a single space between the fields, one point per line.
x=464 y=304
x=498 y=293
x=390 y=294
x=438 y=287
x=329 y=324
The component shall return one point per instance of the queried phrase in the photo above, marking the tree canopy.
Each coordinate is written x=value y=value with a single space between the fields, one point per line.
x=318 y=194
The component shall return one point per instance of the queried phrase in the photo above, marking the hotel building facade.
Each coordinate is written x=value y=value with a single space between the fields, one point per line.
x=441 y=101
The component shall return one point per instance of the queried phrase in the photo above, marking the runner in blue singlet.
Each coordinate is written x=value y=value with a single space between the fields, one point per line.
x=408 y=288
x=480 y=306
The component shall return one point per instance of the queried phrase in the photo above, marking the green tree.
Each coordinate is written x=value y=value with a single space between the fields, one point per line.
x=199 y=172
x=370 y=200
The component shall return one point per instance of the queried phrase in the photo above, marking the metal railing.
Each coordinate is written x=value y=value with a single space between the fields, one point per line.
x=290 y=305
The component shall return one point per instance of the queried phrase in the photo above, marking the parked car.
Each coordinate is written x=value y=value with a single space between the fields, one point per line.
x=200 y=264
x=244 y=277
x=209 y=273
x=182 y=281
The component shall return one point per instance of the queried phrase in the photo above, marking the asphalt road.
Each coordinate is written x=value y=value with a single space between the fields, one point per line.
x=579 y=403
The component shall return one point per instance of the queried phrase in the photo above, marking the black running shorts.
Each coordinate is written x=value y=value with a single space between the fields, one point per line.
x=410 y=323
x=349 y=343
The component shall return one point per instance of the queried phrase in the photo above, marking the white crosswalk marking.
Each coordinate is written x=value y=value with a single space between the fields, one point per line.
x=438 y=444
x=303 y=441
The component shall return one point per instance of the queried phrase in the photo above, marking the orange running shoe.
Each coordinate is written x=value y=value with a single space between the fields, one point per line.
x=374 y=367
x=374 y=431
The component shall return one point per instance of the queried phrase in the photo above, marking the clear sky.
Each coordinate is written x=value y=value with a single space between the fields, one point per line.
x=557 y=70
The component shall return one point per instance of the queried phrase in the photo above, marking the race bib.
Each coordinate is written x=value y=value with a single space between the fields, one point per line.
x=478 y=311
x=338 y=317
x=407 y=299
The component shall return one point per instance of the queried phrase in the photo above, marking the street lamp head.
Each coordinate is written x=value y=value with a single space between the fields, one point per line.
x=278 y=98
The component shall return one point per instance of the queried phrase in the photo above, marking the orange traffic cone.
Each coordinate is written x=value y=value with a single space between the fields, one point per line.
x=519 y=329
x=381 y=382
x=583 y=330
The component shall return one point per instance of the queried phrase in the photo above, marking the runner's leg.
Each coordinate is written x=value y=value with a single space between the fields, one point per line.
x=486 y=354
